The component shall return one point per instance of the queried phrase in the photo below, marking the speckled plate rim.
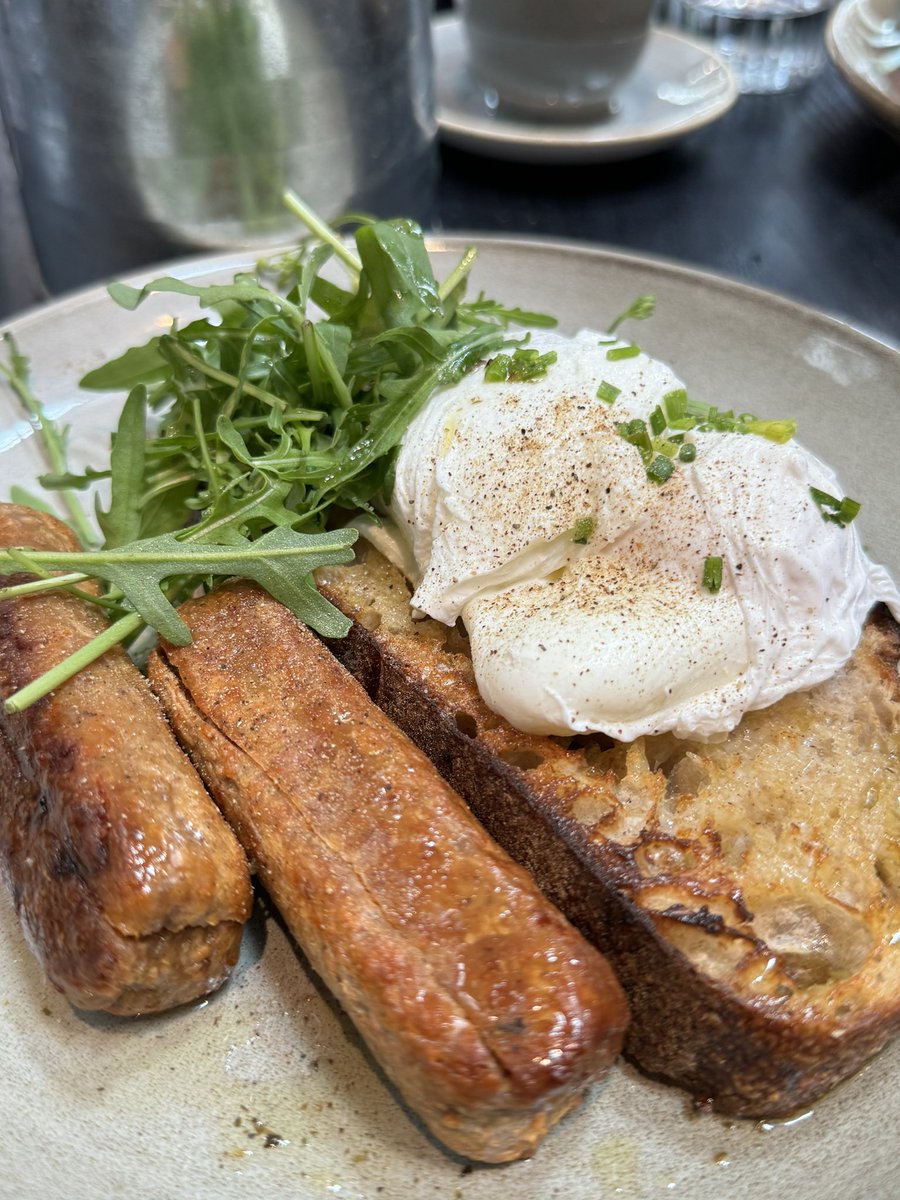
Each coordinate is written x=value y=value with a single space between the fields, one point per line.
x=526 y=141
x=175 y=1121
x=847 y=50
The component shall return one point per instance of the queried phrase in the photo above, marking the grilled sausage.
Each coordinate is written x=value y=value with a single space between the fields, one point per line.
x=131 y=888
x=485 y=1007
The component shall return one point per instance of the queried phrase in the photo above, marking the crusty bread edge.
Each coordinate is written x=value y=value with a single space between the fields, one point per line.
x=687 y=1028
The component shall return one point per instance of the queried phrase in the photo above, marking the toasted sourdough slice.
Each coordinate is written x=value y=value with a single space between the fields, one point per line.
x=747 y=892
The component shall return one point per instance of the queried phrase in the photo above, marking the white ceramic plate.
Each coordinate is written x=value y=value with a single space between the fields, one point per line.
x=863 y=40
x=678 y=86
x=182 y=1105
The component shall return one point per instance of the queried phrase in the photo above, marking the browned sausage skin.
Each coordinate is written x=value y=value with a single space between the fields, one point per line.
x=131 y=888
x=487 y=1009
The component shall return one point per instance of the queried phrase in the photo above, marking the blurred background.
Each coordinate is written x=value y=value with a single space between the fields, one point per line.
x=795 y=190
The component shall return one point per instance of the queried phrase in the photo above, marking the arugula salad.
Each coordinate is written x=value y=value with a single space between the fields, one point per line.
x=275 y=417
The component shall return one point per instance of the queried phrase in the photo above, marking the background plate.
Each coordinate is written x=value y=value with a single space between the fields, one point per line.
x=863 y=41
x=678 y=86
x=264 y=1090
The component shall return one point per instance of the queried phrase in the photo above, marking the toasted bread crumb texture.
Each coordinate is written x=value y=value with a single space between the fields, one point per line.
x=769 y=861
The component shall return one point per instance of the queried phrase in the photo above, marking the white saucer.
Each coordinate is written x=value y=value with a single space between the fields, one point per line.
x=679 y=86
x=863 y=40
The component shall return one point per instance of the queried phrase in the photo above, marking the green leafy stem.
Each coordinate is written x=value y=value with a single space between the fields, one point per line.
x=17 y=374
x=280 y=561
x=249 y=432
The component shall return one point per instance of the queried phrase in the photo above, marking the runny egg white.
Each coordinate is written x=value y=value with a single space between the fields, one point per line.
x=619 y=634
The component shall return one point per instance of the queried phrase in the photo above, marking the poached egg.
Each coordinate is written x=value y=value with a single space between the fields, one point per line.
x=523 y=510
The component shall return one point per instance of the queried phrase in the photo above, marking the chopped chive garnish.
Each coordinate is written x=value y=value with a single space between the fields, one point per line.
x=639 y=310
x=629 y=428
x=540 y=364
x=524 y=364
x=657 y=453
x=660 y=439
x=696 y=408
x=620 y=352
x=660 y=469
x=608 y=392
x=497 y=369
x=584 y=527
x=675 y=404
x=840 y=512
x=712 y=574
x=775 y=431
x=643 y=443
x=848 y=510
x=637 y=434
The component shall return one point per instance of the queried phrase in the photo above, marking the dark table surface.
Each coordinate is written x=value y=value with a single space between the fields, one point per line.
x=799 y=193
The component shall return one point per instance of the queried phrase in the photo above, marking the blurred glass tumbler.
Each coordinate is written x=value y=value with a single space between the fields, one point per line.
x=771 y=45
x=555 y=59
x=143 y=129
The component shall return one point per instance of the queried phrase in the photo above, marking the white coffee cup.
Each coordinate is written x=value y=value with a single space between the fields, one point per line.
x=555 y=59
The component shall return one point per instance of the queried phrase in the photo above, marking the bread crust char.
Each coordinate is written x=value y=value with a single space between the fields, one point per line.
x=682 y=938
x=489 y=1012
x=131 y=889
